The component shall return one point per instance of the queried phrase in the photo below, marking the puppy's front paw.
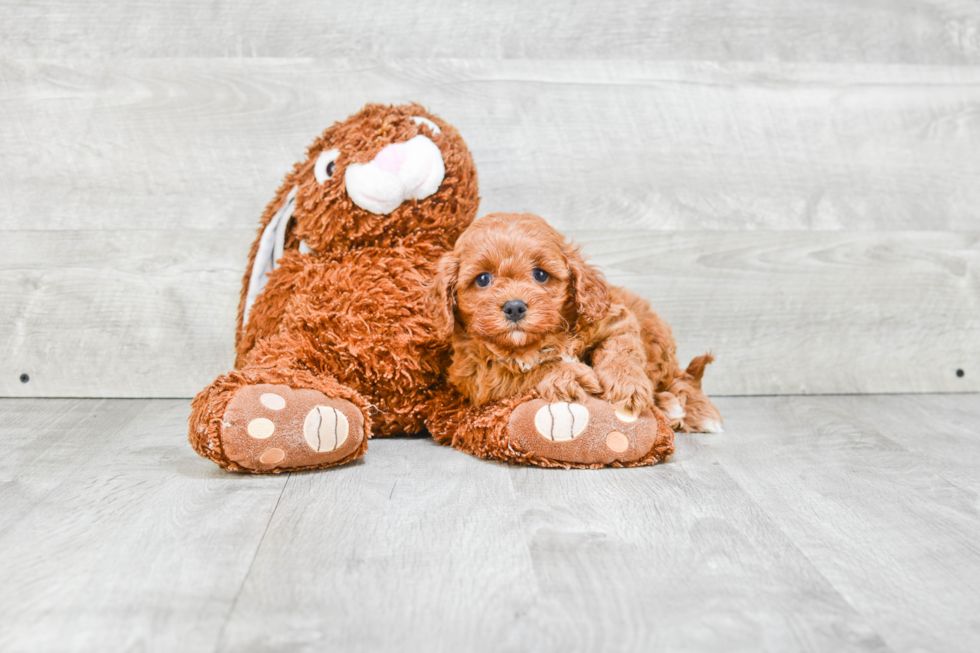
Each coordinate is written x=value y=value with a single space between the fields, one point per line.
x=562 y=390
x=632 y=400
x=569 y=382
x=630 y=396
x=672 y=408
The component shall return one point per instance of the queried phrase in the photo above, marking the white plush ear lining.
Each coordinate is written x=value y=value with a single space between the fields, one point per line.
x=419 y=120
x=271 y=246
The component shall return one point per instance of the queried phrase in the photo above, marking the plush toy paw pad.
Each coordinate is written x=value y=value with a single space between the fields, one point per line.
x=617 y=441
x=590 y=432
x=561 y=421
x=325 y=428
x=272 y=456
x=272 y=401
x=272 y=427
x=261 y=428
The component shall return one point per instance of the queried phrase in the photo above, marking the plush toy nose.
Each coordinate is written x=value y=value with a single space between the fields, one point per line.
x=515 y=310
x=391 y=158
x=412 y=170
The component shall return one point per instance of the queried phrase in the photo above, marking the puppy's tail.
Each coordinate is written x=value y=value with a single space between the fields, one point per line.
x=696 y=369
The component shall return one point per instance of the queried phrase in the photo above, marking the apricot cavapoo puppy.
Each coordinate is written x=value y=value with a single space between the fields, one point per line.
x=526 y=312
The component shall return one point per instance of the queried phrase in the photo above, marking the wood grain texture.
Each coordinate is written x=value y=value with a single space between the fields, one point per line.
x=868 y=498
x=118 y=313
x=34 y=462
x=813 y=524
x=949 y=438
x=812 y=313
x=203 y=144
x=151 y=313
x=671 y=559
x=906 y=31
x=122 y=538
x=417 y=545
x=468 y=555
x=130 y=189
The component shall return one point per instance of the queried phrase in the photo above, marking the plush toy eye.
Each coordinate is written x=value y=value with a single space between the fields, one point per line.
x=540 y=275
x=325 y=165
x=483 y=280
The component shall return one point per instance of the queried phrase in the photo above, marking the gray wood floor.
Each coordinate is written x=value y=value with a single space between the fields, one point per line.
x=814 y=524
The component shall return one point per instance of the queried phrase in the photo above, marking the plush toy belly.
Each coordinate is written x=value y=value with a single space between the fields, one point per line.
x=359 y=318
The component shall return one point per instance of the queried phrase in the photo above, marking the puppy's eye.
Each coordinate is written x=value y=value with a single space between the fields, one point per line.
x=540 y=275
x=483 y=280
x=325 y=164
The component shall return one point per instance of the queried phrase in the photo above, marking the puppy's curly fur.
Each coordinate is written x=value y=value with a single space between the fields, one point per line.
x=576 y=336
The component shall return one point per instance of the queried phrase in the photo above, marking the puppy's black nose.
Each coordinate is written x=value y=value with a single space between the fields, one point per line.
x=515 y=310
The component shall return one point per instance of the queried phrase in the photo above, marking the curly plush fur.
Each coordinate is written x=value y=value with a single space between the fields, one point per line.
x=344 y=315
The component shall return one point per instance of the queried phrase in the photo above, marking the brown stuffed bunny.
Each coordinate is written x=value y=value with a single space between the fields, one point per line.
x=333 y=343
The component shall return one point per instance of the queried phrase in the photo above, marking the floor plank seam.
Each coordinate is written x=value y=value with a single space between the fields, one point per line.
x=251 y=564
x=792 y=543
x=522 y=523
x=940 y=468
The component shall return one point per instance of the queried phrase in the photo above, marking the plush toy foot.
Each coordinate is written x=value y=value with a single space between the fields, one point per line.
x=592 y=432
x=276 y=428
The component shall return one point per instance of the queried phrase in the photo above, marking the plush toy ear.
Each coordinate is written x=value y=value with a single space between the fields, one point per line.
x=589 y=286
x=441 y=302
x=271 y=245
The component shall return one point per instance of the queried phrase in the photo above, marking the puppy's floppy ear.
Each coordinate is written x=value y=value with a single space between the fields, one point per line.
x=588 y=286
x=441 y=302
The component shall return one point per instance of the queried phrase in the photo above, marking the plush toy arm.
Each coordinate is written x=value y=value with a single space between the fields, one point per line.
x=477 y=430
x=527 y=430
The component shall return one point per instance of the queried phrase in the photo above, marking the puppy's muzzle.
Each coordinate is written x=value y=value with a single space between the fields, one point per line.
x=515 y=310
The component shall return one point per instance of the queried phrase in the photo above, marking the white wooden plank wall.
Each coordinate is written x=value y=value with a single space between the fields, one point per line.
x=897 y=31
x=793 y=184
